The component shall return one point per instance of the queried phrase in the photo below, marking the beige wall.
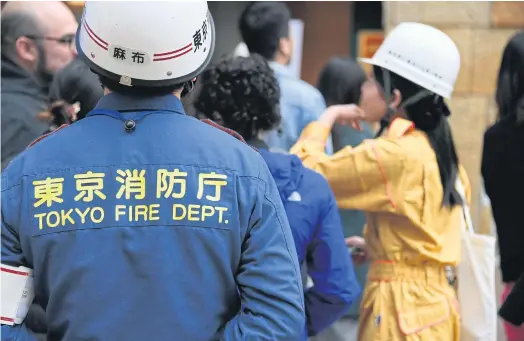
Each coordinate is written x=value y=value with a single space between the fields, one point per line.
x=480 y=30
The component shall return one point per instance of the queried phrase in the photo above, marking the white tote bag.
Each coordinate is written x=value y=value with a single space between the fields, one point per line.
x=476 y=281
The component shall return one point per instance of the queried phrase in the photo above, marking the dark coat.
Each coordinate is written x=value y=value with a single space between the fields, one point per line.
x=512 y=310
x=503 y=172
x=22 y=100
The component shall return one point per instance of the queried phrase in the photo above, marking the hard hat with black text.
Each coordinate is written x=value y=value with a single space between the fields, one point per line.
x=149 y=44
x=422 y=54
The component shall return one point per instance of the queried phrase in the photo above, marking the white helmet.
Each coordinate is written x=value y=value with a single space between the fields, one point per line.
x=147 y=43
x=422 y=54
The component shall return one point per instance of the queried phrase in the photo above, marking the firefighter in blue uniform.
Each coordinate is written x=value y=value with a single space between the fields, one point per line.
x=139 y=222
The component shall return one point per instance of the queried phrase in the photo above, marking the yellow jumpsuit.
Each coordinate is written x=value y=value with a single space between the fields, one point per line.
x=411 y=236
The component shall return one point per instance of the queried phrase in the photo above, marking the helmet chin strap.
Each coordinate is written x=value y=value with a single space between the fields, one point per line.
x=390 y=111
x=188 y=87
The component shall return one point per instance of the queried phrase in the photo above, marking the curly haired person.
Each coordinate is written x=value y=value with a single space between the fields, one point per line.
x=242 y=94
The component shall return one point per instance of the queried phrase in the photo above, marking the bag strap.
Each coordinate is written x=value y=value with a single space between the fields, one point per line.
x=468 y=223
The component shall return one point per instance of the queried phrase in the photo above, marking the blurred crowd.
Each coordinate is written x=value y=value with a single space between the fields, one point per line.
x=310 y=136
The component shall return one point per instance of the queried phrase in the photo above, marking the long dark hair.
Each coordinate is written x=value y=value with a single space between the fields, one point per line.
x=430 y=115
x=510 y=83
x=340 y=82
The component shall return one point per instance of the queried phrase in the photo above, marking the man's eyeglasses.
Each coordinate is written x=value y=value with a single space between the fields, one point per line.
x=69 y=39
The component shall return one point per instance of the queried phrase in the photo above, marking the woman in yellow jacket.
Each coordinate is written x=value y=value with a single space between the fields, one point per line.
x=405 y=181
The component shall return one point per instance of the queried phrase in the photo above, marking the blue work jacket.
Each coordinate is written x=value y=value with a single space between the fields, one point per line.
x=142 y=223
x=319 y=239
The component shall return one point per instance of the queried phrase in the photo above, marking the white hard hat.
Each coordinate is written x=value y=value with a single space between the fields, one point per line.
x=147 y=43
x=422 y=54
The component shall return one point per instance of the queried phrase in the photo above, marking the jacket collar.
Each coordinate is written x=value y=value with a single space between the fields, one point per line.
x=119 y=102
x=400 y=127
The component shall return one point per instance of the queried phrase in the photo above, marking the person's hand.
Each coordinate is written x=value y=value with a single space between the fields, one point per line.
x=64 y=113
x=343 y=114
x=360 y=253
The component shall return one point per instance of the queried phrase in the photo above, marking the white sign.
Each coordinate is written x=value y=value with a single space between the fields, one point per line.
x=241 y=50
x=297 y=35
